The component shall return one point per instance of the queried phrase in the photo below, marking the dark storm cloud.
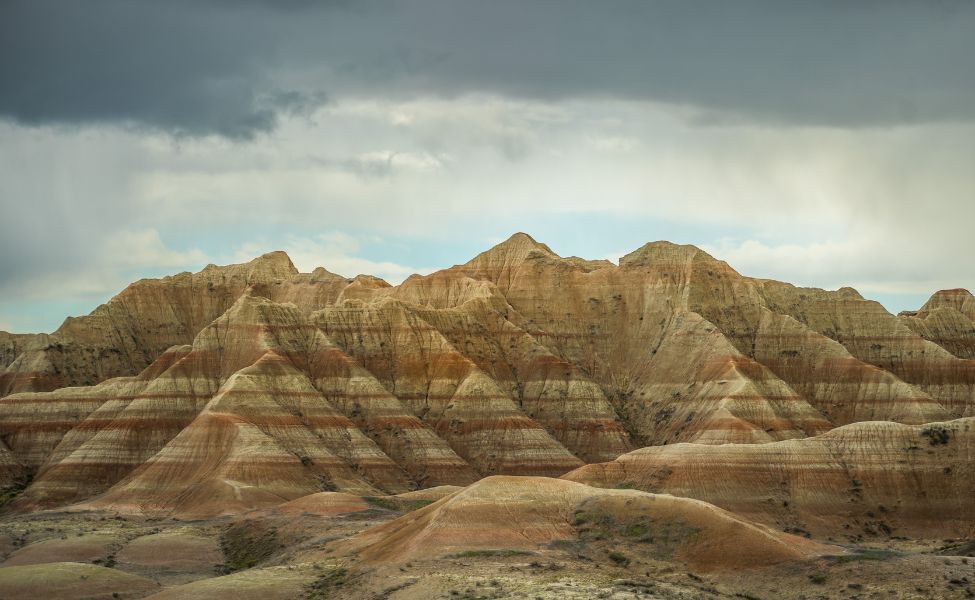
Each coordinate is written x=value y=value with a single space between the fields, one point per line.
x=231 y=68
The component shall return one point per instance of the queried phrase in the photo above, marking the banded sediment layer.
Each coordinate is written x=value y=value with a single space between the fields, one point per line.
x=248 y=385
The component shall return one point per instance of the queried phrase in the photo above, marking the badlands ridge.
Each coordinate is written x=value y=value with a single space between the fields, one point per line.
x=695 y=416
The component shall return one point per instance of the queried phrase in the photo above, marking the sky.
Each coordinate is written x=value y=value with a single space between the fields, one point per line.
x=825 y=143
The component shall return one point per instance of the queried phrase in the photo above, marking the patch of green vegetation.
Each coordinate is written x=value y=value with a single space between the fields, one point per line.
x=326 y=485
x=366 y=515
x=411 y=505
x=619 y=558
x=327 y=584
x=966 y=548
x=396 y=504
x=937 y=435
x=108 y=562
x=796 y=530
x=471 y=594
x=502 y=553
x=637 y=530
x=18 y=485
x=818 y=578
x=247 y=544
x=665 y=536
x=383 y=502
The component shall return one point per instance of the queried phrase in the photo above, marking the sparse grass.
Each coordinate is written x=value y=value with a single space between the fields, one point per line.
x=108 y=562
x=9 y=492
x=366 y=515
x=665 y=537
x=245 y=546
x=396 y=504
x=382 y=502
x=818 y=578
x=859 y=555
x=411 y=505
x=500 y=553
x=966 y=548
x=327 y=583
x=636 y=530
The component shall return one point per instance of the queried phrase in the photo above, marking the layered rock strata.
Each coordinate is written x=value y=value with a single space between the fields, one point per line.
x=860 y=480
x=254 y=384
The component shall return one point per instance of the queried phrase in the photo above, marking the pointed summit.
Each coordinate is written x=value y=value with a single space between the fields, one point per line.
x=500 y=262
x=511 y=252
x=272 y=265
x=521 y=240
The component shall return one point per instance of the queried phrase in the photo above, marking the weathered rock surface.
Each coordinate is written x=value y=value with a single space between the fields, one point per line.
x=13 y=345
x=865 y=479
x=947 y=319
x=234 y=421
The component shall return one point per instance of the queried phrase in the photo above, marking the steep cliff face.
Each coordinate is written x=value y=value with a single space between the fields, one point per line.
x=864 y=479
x=519 y=362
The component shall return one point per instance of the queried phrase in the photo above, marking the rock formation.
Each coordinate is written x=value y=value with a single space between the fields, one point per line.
x=244 y=386
x=124 y=335
x=864 y=479
x=526 y=513
x=948 y=320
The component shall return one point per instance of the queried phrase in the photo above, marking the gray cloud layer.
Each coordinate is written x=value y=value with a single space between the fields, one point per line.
x=234 y=68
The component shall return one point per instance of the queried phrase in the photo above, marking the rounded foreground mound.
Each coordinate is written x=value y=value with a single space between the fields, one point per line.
x=70 y=581
x=865 y=479
x=276 y=583
x=504 y=513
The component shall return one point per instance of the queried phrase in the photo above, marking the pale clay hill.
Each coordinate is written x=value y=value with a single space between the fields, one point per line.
x=520 y=426
x=244 y=386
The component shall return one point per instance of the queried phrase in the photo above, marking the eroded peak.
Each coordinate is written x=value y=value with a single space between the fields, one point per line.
x=514 y=249
x=959 y=299
x=663 y=251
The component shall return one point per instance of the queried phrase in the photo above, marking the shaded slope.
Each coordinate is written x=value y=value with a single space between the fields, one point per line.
x=874 y=336
x=249 y=449
x=611 y=323
x=465 y=406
